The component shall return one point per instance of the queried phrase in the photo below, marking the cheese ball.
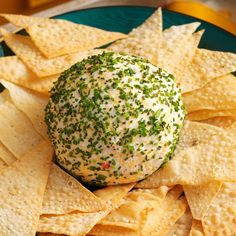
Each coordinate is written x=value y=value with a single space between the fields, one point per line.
x=114 y=119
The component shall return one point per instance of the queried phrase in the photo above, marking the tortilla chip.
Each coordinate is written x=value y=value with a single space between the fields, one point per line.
x=188 y=51
x=200 y=197
x=135 y=204
x=79 y=223
x=21 y=20
x=51 y=36
x=14 y=70
x=6 y=155
x=195 y=133
x=31 y=103
x=143 y=41
x=221 y=121
x=17 y=132
x=58 y=37
x=219 y=94
x=196 y=229
x=13 y=67
x=175 y=40
x=65 y=194
x=205 y=66
x=22 y=187
x=25 y=49
x=206 y=114
x=196 y=137
x=168 y=213
x=220 y=218
x=198 y=165
x=183 y=226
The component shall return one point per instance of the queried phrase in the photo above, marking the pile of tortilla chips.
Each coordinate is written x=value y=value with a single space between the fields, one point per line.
x=193 y=194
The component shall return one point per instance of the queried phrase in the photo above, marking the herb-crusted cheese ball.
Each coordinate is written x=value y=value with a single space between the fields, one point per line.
x=114 y=118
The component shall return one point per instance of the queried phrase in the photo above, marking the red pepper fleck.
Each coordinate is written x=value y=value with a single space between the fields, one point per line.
x=105 y=165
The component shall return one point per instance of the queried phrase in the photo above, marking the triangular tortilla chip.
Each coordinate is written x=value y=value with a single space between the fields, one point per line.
x=188 y=51
x=25 y=49
x=143 y=41
x=22 y=186
x=14 y=70
x=31 y=103
x=17 y=132
x=205 y=66
x=196 y=229
x=56 y=37
x=206 y=114
x=198 y=164
x=65 y=194
x=174 y=41
x=219 y=94
x=220 y=218
x=6 y=155
x=79 y=223
x=200 y=197
x=183 y=226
